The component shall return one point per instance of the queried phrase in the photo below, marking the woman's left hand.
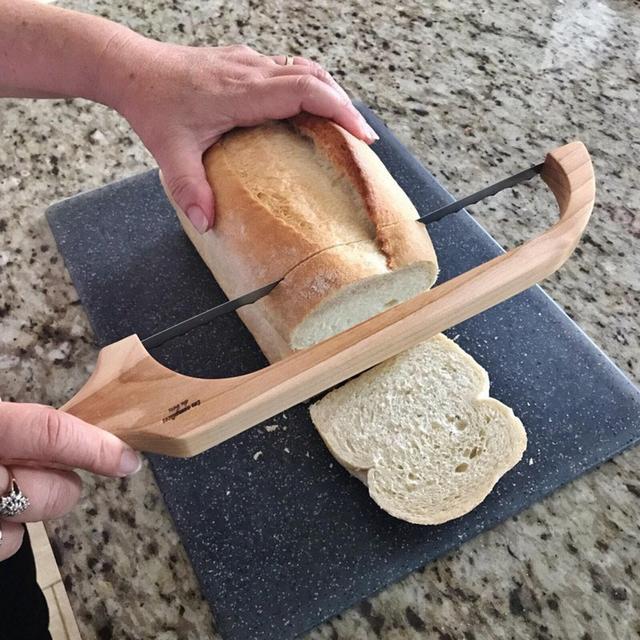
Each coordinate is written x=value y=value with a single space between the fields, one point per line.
x=39 y=447
x=180 y=100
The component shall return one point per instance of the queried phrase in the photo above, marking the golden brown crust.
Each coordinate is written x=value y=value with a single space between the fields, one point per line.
x=258 y=247
x=386 y=203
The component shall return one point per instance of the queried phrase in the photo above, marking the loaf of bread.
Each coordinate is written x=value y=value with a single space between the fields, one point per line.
x=306 y=199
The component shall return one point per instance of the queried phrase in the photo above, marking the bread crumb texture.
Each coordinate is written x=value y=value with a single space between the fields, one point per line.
x=422 y=432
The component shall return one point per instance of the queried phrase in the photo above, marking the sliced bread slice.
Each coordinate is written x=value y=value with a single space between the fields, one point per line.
x=422 y=432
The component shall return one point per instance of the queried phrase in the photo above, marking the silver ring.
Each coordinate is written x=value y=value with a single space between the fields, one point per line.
x=14 y=502
x=288 y=61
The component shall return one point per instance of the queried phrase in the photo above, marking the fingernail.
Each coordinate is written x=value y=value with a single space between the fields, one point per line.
x=130 y=463
x=198 y=219
x=371 y=134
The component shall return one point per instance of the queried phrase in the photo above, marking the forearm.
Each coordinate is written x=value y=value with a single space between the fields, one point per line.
x=50 y=52
x=179 y=100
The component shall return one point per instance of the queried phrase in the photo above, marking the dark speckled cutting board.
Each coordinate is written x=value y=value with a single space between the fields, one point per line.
x=279 y=534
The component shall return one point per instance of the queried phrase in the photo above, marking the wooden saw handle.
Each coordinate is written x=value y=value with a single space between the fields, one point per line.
x=155 y=409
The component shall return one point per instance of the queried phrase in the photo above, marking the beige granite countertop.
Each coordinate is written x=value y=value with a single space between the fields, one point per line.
x=473 y=89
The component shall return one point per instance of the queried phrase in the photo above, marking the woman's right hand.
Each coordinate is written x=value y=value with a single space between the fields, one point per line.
x=39 y=447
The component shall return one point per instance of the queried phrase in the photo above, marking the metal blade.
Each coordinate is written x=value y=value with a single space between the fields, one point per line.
x=202 y=318
x=161 y=337
x=491 y=190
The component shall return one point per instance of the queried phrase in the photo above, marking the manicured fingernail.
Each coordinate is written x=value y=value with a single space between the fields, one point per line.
x=130 y=463
x=371 y=134
x=198 y=219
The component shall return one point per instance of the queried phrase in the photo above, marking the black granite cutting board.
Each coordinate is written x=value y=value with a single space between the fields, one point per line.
x=280 y=536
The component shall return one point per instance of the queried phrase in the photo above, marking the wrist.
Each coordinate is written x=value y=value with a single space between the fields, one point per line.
x=119 y=67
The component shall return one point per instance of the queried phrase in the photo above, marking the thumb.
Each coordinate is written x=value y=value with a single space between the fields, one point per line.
x=185 y=181
x=42 y=434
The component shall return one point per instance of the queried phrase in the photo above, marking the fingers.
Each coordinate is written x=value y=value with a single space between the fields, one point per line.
x=12 y=534
x=284 y=96
x=303 y=65
x=183 y=176
x=299 y=66
x=35 y=433
x=345 y=114
x=51 y=492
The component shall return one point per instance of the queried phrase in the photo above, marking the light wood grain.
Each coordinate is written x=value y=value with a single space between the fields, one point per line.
x=155 y=409
x=46 y=567
x=62 y=622
x=65 y=612
x=56 y=623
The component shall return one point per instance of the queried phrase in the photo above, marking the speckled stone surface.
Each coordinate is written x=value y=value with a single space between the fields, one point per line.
x=472 y=91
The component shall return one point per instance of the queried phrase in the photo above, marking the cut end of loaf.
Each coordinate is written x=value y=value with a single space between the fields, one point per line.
x=361 y=300
x=422 y=432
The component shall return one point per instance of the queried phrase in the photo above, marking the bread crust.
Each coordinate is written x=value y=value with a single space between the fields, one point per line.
x=388 y=206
